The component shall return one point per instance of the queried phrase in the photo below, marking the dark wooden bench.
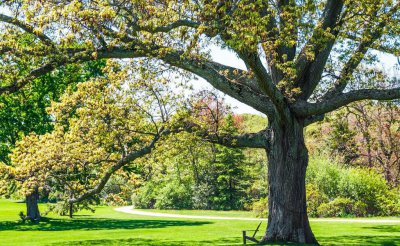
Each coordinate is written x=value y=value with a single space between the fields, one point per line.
x=252 y=238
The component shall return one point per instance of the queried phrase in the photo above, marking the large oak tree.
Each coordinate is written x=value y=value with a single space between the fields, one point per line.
x=300 y=57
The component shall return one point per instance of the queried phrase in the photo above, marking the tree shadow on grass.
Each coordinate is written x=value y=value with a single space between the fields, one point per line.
x=360 y=240
x=385 y=228
x=351 y=240
x=391 y=238
x=94 y=224
x=388 y=235
x=151 y=242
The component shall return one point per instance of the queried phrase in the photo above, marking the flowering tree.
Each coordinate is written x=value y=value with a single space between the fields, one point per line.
x=106 y=124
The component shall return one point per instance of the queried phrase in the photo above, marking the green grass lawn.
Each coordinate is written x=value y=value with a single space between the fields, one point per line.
x=108 y=227
x=244 y=214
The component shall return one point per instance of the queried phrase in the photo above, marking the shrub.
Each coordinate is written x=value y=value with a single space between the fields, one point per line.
x=174 y=196
x=145 y=196
x=367 y=189
x=260 y=208
x=325 y=175
x=360 y=209
x=365 y=186
x=389 y=204
x=314 y=199
x=340 y=207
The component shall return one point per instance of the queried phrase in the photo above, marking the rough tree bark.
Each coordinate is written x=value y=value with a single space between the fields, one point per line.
x=32 y=208
x=287 y=164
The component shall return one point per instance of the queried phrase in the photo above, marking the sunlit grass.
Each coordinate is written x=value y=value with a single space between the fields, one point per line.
x=244 y=214
x=108 y=227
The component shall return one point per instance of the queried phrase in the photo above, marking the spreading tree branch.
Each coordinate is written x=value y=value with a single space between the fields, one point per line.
x=247 y=140
x=250 y=140
x=167 y=28
x=239 y=87
x=370 y=36
x=122 y=162
x=27 y=28
x=309 y=71
x=303 y=109
x=264 y=80
x=235 y=83
x=390 y=49
x=31 y=76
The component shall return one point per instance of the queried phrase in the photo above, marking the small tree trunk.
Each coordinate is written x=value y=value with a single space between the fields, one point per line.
x=287 y=164
x=71 y=210
x=32 y=208
x=70 y=206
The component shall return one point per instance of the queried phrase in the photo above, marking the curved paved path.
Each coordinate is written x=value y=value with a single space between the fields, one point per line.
x=130 y=210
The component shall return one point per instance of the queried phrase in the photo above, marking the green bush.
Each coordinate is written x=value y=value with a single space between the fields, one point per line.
x=325 y=175
x=260 y=208
x=365 y=186
x=174 y=196
x=366 y=191
x=340 y=207
x=389 y=204
x=314 y=199
x=145 y=196
x=360 y=209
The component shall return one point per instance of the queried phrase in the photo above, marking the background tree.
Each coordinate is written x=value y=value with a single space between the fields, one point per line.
x=300 y=58
x=363 y=133
x=107 y=123
x=209 y=176
x=231 y=177
x=24 y=112
x=230 y=180
x=369 y=130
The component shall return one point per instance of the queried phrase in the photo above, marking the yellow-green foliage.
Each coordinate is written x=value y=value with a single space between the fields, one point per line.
x=95 y=128
x=334 y=190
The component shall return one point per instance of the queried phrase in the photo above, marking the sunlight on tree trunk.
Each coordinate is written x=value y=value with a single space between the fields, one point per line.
x=287 y=164
x=32 y=208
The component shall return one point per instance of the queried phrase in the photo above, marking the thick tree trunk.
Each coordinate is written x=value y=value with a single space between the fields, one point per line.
x=287 y=164
x=32 y=208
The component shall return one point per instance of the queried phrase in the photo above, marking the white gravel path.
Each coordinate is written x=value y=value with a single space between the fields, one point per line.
x=130 y=210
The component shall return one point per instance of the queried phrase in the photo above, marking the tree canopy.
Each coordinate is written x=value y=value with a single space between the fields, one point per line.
x=98 y=129
x=295 y=39
x=24 y=112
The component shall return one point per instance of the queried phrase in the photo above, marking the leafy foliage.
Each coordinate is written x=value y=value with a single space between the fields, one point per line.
x=362 y=134
x=302 y=58
x=187 y=172
x=338 y=191
x=107 y=123
x=24 y=112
